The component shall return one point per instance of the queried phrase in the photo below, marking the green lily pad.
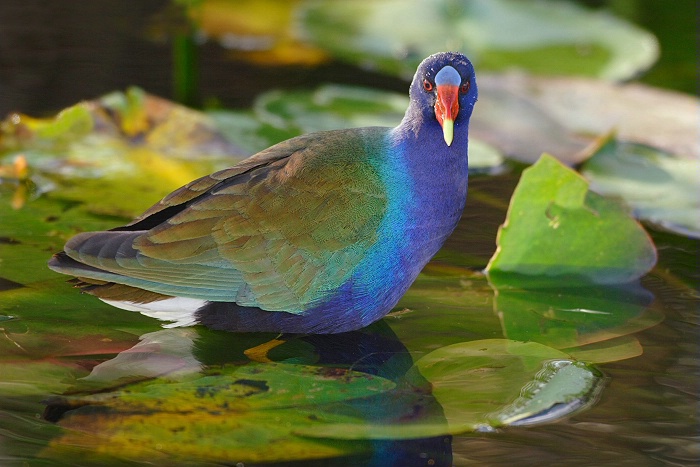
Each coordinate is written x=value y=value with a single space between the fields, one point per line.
x=557 y=228
x=241 y=413
x=659 y=188
x=122 y=141
x=485 y=384
x=540 y=37
x=611 y=350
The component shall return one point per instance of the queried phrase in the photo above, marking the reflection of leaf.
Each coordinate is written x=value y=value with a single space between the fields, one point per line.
x=562 y=317
x=244 y=413
x=659 y=188
x=557 y=228
x=542 y=37
x=456 y=309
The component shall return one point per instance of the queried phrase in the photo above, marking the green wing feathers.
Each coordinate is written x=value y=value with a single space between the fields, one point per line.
x=272 y=232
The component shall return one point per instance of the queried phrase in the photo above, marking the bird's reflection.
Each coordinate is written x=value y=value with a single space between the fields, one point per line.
x=179 y=352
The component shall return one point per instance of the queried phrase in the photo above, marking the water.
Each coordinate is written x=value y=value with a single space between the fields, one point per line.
x=53 y=338
x=59 y=349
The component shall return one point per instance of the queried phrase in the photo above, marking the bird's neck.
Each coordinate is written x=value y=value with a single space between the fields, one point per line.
x=431 y=162
x=437 y=174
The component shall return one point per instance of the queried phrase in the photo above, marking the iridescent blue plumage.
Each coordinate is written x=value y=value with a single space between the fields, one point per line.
x=322 y=233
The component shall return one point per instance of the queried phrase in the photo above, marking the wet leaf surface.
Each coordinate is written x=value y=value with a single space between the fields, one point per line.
x=484 y=384
x=246 y=413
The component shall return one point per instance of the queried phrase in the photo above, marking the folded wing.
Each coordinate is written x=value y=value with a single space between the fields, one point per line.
x=279 y=231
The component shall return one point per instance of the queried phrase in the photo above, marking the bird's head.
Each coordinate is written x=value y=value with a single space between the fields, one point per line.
x=444 y=90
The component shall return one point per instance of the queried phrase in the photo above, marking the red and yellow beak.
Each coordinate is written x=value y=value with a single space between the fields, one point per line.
x=446 y=109
x=447 y=81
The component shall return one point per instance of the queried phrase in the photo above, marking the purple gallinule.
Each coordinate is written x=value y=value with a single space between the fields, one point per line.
x=322 y=233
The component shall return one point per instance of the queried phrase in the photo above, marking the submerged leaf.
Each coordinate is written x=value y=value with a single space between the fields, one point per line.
x=556 y=228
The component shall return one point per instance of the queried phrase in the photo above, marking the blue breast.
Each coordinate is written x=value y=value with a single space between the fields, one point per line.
x=425 y=201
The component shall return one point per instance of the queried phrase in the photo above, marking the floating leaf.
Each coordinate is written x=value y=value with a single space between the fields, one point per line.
x=73 y=122
x=485 y=384
x=613 y=350
x=222 y=415
x=556 y=228
x=524 y=116
x=661 y=189
x=541 y=37
x=214 y=436
x=34 y=378
x=132 y=141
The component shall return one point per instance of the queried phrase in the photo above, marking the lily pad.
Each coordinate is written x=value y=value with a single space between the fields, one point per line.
x=659 y=188
x=485 y=384
x=97 y=146
x=462 y=377
x=541 y=37
x=638 y=113
x=557 y=228
x=241 y=413
x=611 y=350
x=525 y=115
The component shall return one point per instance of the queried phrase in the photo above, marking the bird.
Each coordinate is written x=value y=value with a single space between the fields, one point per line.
x=319 y=234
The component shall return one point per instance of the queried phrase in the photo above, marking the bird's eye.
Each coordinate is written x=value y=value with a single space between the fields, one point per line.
x=464 y=88
x=427 y=85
